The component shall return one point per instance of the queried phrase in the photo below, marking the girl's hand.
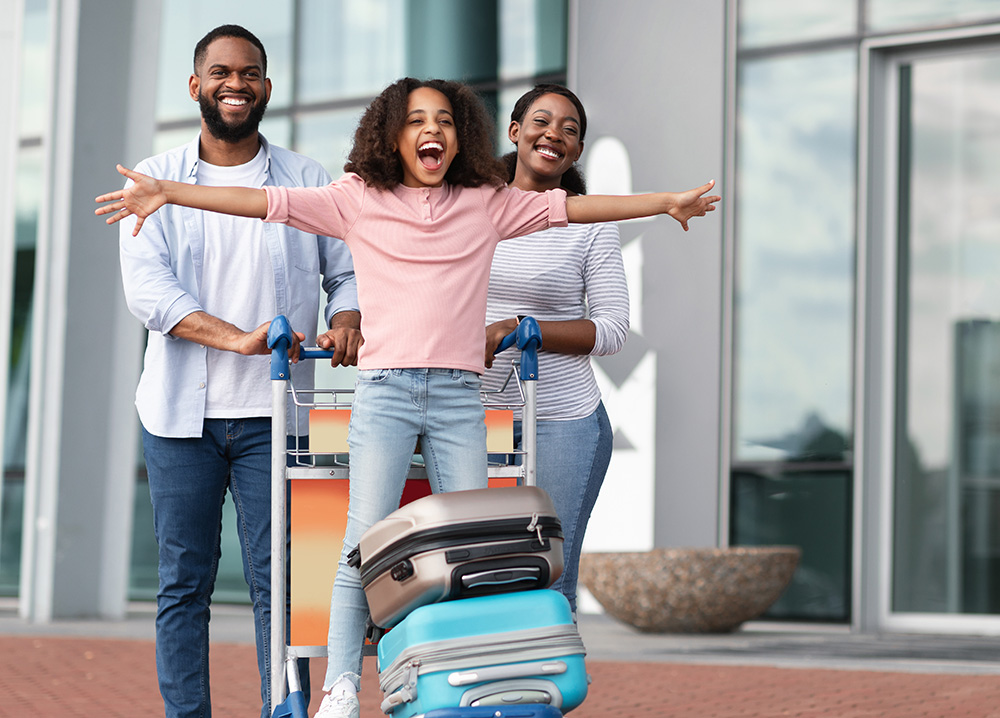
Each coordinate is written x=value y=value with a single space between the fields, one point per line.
x=142 y=198
x=494 y=335
x=693 y=203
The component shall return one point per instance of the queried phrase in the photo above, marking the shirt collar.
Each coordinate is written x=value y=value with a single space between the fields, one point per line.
x=191 y=158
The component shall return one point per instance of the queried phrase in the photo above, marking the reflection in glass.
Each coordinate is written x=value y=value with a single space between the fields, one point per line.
x=452 y=39
x=506 y=99
x=27 y=203
x=771 y=22
x=795 y=257
x=533 y=37
x=349 y=48
x=811 y=510
x=947 y=481
x=34 y=68
x=900 y=14
x=185 y=22
x=327 y=137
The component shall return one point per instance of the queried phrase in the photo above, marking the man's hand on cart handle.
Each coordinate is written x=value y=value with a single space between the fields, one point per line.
x=255 y=342
x=343 y=338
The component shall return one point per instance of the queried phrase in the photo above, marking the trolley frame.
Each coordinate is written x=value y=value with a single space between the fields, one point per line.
x=527 y=337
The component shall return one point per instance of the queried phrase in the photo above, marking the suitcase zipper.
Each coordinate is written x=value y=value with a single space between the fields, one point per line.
x=441 y=537
x=467 y=653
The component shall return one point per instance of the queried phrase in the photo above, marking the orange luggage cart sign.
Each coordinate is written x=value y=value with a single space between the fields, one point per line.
x=318 y=519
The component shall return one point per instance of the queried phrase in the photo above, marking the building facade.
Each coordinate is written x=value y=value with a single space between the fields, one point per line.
x=817 y=363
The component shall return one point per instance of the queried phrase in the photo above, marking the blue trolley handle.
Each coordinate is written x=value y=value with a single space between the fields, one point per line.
x=279 y=340
x=528 y=338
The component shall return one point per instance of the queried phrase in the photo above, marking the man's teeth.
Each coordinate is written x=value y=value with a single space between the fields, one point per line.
x=233 y=101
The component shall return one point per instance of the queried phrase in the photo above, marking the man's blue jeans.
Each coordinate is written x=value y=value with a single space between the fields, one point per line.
x=188 y=481
x=573 y=457
x=392 y=409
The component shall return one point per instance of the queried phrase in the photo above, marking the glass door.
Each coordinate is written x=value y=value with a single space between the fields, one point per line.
x=941 y=325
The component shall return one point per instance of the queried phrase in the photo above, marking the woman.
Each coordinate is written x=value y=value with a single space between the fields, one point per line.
x=572 y=280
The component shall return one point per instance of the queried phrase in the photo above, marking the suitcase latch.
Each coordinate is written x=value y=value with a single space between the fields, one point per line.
x=401 y=571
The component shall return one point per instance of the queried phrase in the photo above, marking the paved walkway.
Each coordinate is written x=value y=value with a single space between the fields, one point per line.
x=107 y=670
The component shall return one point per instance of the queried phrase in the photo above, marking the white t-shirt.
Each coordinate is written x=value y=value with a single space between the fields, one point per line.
x=237 y=286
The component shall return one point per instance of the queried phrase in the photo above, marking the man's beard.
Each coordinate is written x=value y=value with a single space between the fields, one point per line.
x=221 y=130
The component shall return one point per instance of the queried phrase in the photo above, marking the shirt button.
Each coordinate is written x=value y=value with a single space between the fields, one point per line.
x=201 y=385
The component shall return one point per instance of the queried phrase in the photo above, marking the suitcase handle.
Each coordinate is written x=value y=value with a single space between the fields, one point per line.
x=517 y=691
x=490 y=674
x=502 y=577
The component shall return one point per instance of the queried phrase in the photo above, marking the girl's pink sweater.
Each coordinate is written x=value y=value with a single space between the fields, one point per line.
x=422 y=259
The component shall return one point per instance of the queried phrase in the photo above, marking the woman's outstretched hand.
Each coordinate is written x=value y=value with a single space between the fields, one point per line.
x=693 y=203
x=142 y=198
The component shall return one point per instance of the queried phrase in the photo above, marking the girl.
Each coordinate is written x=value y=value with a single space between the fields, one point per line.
x=572 y=280
x=422 y=207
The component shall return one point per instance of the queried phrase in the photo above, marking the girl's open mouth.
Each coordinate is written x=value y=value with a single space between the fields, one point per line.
x=431 y=155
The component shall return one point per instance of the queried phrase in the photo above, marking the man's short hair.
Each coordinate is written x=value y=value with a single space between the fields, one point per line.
x=201 y=49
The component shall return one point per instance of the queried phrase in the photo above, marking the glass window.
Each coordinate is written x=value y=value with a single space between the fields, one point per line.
x=453 y=39
x=811 y=510
x=27 y=206
x=349 y=48
x=770 y=22
x=898 y=14
x=533 y=37
x=327 y=137
x=506 y=98
x=185 y=22
x=795 y=257
x=947 y=481
x=34 y=68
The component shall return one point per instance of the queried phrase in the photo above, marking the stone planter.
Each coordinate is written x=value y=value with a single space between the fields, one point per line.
x=689 y=590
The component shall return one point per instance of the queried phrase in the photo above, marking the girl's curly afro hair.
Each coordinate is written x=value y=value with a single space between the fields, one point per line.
x=372 y=157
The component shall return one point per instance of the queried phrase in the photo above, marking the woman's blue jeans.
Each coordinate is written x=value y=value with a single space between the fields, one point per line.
x=573 y=457
x=392 y=409
x=188 y=481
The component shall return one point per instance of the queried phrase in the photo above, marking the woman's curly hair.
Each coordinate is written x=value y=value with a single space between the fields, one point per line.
x=373 y=158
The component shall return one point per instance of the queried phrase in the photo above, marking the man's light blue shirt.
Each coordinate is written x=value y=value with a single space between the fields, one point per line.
x=161 y=273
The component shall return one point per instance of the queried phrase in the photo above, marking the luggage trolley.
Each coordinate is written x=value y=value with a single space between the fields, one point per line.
x=329 y=409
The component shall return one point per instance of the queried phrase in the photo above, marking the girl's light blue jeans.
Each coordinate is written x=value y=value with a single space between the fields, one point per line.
x=393 y=408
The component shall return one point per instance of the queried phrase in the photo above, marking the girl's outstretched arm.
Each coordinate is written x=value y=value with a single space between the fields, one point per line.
x=146 y=195
x=682 y=206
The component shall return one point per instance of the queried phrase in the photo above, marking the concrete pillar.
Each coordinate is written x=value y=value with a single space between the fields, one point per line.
x=82 y=434
x=651 y=76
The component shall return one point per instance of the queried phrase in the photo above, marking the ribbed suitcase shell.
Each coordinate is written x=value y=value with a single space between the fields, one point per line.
x=491 y=650
x=457 y=545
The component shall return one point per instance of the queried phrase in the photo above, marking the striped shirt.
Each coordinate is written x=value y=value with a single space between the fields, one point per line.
x=559 y=274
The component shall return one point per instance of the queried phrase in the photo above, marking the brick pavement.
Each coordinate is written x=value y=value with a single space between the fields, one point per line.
x=67 y=677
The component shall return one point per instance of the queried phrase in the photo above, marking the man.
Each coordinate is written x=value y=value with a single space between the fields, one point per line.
x=206 y=286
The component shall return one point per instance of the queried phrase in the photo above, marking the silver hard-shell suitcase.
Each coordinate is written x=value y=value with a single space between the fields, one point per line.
x=458 y=545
